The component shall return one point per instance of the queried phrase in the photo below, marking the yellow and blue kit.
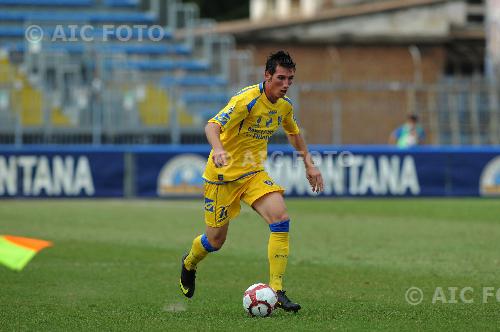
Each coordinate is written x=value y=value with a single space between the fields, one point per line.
x=247 y=122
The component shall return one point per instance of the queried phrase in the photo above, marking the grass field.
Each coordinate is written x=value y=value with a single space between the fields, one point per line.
x=115 y=266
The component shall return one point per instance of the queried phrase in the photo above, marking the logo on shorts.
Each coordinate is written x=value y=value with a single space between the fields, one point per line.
x=269 y=182
x=209 y=205
x=222 y=215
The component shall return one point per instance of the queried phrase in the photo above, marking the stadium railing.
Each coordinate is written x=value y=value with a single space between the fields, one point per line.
x=107 y=92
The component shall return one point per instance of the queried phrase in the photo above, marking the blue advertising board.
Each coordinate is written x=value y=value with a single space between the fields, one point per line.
x=170 y=173
x=60 y=172
x=388 y=172
x=176 y=171
x=366 y=171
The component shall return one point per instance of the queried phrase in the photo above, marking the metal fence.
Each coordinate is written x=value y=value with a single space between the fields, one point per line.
x=455 y=112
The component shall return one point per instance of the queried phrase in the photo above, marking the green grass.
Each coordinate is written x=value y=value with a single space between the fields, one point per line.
x=115 y=266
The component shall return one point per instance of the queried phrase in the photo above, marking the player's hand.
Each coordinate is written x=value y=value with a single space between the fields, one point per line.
x=219 y=157
x=315 y=179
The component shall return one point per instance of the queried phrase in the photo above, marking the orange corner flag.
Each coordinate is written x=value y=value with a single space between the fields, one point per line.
x=16 y=252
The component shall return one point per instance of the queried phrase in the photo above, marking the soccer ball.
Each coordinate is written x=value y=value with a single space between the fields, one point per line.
x=259 y=300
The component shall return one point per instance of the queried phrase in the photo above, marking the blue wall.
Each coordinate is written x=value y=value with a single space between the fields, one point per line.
x=175 y=171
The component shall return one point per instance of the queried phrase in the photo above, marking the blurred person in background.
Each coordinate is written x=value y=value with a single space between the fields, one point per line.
x=409 y=134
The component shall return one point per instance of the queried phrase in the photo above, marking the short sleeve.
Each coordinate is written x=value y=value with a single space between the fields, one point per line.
x=234 y=112
x=290 y=124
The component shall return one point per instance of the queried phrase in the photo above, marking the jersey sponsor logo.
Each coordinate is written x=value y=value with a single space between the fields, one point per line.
x=269 y=122
x=271 y=112
x=268 y=182
x=209 y=205
x=224 y=117
x=257 y=133
x=262 y=135
x=489 y=182
x=182 y=176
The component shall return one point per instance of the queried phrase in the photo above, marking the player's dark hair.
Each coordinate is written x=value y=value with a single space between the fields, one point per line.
x=280 y=58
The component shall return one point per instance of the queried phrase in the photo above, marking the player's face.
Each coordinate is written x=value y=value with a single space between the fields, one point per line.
x=278 y=83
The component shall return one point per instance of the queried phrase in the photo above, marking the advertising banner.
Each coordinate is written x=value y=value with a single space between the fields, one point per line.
x=171 y=173
x=46 y=173
x=176 y=171
x=347 y=172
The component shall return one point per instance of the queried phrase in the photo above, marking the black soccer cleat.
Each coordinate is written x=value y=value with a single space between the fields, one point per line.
x=285 y=303
x=187 y=281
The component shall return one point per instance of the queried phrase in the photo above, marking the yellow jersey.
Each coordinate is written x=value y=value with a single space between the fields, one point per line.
x=247 y=122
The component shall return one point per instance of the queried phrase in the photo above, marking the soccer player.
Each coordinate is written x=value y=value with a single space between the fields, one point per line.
x=235 y=171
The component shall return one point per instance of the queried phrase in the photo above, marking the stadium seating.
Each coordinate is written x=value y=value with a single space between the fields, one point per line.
x=11 y=31
x=164 y=65
x=121 y=3
x=31 y=108
x=204 y=98
x=51 y=32
x=152 y=110
x=62 y=3
x=193 y=81
x=65 y=16
x=180 y=73
x=127 y=48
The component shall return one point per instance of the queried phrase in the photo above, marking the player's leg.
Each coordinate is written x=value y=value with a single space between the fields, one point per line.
x=272 y=208
x=211 y=241
x=221 y=205
x=266 y=197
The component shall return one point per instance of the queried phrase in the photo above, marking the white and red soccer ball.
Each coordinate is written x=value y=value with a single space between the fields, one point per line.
x=259 y=300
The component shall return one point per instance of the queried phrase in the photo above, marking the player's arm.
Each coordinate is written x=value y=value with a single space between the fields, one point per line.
x=312 y=172
x=219 y=155
x=234 y=112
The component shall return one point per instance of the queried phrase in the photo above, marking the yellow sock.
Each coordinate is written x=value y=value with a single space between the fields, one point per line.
x=199 y=250
x=277 y=252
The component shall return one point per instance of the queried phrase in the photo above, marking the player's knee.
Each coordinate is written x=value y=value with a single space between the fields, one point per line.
x=217 y=240
x=272 y=217
x=279 y=217
x=209 y=243
x=218 y=243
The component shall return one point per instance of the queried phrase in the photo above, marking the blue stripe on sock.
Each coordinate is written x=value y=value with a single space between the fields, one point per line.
x=282 y=226
x=208 y=247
